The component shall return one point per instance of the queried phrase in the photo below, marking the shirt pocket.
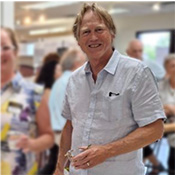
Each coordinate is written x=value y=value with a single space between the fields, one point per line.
x=114 y=108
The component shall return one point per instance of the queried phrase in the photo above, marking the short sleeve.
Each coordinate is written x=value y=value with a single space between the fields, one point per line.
x=66 y=112
x=146 y=103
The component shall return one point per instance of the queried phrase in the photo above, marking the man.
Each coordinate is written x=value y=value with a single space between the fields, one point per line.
x=111 y=104
x=135 y=50
x=70 y=61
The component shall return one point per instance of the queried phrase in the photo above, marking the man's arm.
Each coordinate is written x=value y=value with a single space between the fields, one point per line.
x=137 y=139
x=169 y=127
x=65 y=145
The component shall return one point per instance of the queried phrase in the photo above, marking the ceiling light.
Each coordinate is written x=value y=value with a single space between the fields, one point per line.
x=39 y=32
x=27 y=20
x=60 y=21
x=46 y=5
x=58 y=29
x=42 y=18
x=156 y=7
x=48 y=31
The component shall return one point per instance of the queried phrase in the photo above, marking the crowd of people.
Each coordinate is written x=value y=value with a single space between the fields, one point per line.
x=93 y=104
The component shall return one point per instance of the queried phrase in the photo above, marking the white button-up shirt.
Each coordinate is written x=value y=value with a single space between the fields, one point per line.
x=124 y=97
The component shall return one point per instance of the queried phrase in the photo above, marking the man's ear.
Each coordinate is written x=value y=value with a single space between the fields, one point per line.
x=78 y=42
x=113 y=37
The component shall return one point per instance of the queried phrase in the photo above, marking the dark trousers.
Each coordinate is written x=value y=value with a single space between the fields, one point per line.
x=49 y=168
x=147 y=151
x=171 y=161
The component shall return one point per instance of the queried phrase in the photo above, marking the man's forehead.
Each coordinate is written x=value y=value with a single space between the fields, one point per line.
x=92 y=17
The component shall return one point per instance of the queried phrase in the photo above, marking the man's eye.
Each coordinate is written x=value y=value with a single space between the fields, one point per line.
x=85 y=32
x=99 y=30
x=6 y=48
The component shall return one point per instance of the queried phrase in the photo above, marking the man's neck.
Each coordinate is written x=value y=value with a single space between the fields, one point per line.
x=97 y=65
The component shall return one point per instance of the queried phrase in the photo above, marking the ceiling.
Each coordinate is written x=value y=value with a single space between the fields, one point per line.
x=56 y=18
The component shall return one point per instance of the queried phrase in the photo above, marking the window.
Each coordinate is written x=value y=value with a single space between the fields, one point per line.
x=157 y=44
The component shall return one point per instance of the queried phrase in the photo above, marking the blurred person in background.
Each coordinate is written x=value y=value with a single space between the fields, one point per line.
x=111 y=104
x=167 y=94
x=70 y=61
x=49 y=72
x=23 y=132
x=135 y=50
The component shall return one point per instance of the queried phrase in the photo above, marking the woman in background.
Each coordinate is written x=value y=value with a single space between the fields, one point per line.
x=49 y=72
x=25 y=127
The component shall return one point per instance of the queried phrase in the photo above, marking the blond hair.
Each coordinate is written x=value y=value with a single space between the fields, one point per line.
x=12 y=36
x=100 y=12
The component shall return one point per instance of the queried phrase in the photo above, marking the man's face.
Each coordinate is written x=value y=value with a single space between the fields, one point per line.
x=136 y=50
x=95 y=38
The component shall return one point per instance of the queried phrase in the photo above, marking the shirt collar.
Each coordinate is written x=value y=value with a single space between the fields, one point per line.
x=110 y=67
x=17 y=81
x=87 y=68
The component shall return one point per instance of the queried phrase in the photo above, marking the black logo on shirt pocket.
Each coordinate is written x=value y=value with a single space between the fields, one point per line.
x=113 y=94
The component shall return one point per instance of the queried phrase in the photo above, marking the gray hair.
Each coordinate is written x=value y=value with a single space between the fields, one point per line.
x=69 y=59
x=168 y=59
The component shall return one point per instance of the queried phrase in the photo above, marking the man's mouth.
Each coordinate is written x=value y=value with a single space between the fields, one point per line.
x=94 y=45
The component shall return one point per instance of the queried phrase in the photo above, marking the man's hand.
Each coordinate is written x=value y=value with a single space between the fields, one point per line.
x=90 y=157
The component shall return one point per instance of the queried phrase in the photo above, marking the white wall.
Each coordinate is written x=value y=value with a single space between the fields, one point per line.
x=128 y=26
x=47 y=45
x=7 y=14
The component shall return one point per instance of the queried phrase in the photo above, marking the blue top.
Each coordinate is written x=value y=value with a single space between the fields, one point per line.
x=124 y=98
x=156 y=69
x=18 y=109
x=56 y=101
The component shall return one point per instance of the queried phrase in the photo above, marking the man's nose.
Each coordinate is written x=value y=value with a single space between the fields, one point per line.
x=93 y=36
